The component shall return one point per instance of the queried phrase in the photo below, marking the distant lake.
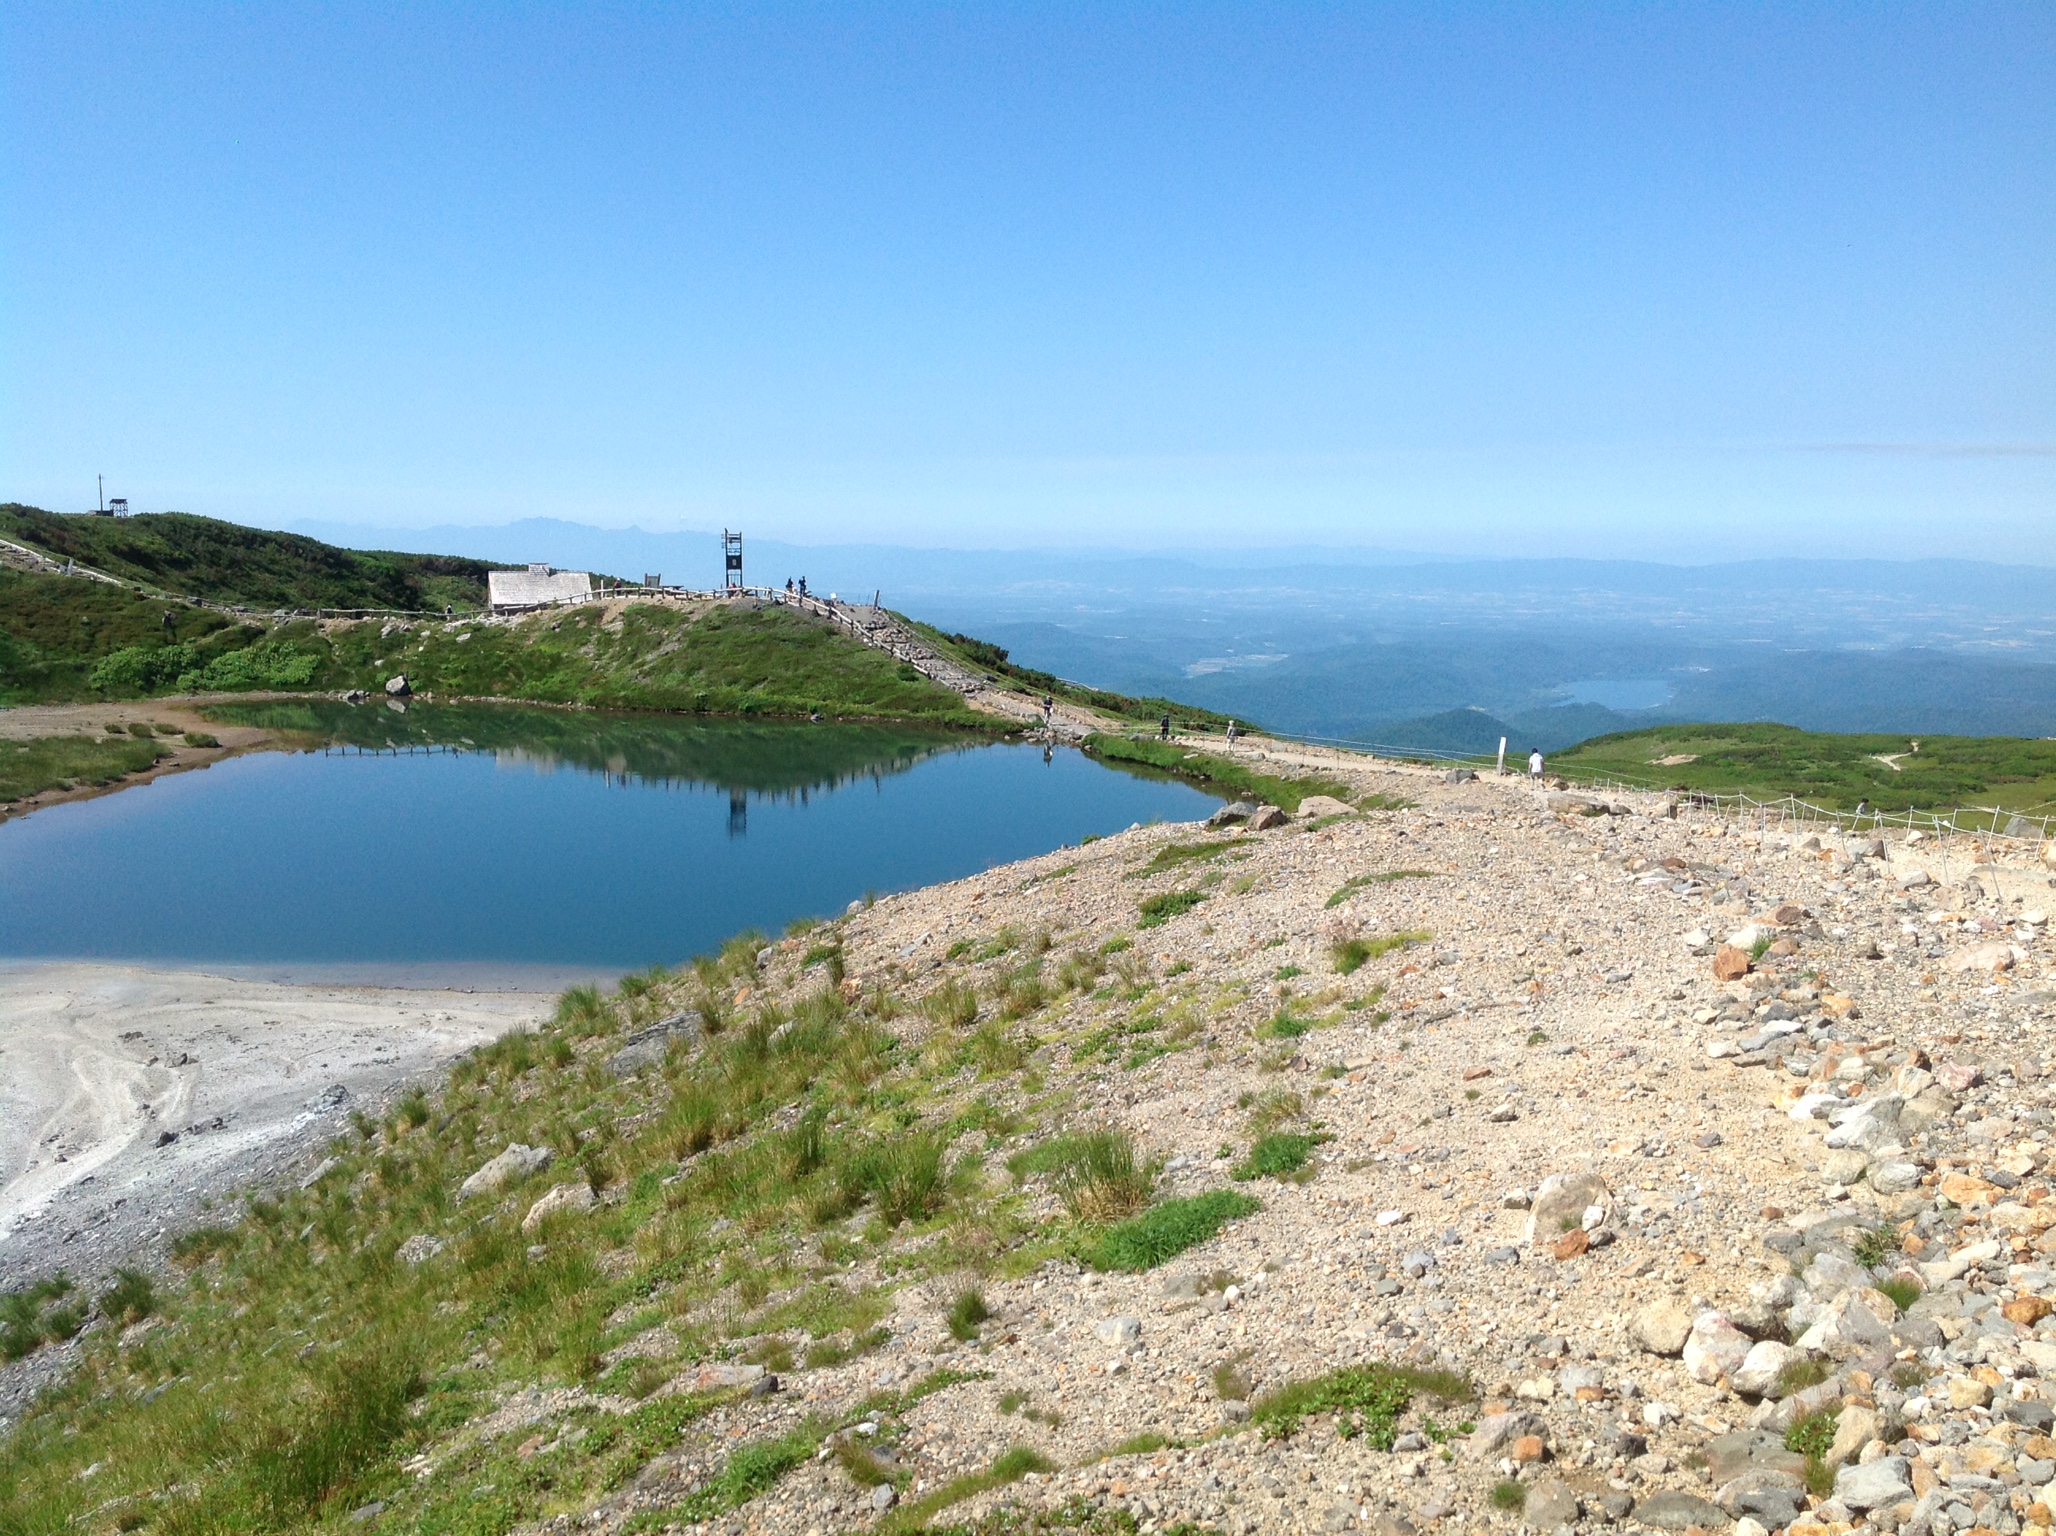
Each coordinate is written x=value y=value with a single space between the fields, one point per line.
x=463 y=842
x=1620 y=692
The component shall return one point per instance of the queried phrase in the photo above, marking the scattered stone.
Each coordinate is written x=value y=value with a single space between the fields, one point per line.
x=418 y=1249
x=1662 y=1327
x=1118 y=1330
x=1714 y=1348
x=1566 y=1202
x=1873 y=1484
x=1676 y=1510
x=1730 y=963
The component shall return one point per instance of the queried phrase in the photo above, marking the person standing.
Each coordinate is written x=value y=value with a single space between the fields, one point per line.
x=1534 y=762
x=1164 y=729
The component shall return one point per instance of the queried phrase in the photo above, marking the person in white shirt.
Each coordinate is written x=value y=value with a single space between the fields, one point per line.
x=1534 y=762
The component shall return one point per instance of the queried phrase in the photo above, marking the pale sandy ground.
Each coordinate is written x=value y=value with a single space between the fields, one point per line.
x=98 y=1063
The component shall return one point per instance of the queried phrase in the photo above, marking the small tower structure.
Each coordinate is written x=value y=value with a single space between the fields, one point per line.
x=731 y=556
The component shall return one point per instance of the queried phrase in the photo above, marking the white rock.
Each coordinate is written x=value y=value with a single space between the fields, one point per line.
x=1118 y=1330
x=561 y=1197
x=1714 y=1348
x=1760 y=1369
x=516 y=1162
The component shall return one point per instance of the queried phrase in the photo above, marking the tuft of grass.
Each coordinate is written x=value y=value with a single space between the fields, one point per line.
x=953 y=1005
x=1800 y=1373
x=864 y=1469
x=37 y=1314
x=1356 y=883
x=752 y=1470
x=1098 y=1173
x=1232 y=1384
x=966 y=1313
x=131 y=1298
x=904 y=1174
x=1009 y=1467
x=1903 y=1291
x=1140 y=1445
x=1175 y=855
x=1278 y=1155
x=1509 y=1495
x=1349 y=955
x=1160 y=909
x=1366 y=1400
x=1167 y=1229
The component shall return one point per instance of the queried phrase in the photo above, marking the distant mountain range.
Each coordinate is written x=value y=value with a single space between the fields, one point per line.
x=1385 y=646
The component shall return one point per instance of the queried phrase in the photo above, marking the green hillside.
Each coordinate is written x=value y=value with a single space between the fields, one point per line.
x=1837 y=772
x=187 y=556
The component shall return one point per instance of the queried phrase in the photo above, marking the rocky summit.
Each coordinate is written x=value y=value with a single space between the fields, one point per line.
x=1503 y=1157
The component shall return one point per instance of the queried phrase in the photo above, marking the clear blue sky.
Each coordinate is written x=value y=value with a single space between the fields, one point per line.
x=1665 y=280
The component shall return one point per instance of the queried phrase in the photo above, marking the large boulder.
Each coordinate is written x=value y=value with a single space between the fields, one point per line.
x=1997 y=955
x=517 y=1162
x=1567 y=1202
x=1855 y=1320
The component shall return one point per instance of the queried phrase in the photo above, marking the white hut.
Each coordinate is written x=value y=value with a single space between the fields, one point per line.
x=537 y=587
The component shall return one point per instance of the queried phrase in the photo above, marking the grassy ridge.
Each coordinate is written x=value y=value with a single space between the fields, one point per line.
x=992 y=660
x=762 y=1193
x=188 y=556
x=62 y=638
x=1834 y=771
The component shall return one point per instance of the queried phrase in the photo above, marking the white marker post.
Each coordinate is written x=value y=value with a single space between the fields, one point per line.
x=1502 y=757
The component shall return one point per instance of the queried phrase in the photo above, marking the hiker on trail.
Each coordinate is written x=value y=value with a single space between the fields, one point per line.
x=1231 y=730
x=1049 y=706
x=788 y=586
x=1164 y=729
x=1534 y=762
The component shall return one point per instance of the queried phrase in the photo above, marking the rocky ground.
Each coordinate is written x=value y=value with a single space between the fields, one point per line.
x=1641 y=1188
x=1711 y=1153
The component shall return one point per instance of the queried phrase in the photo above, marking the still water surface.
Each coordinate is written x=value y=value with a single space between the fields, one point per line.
x=538 y=842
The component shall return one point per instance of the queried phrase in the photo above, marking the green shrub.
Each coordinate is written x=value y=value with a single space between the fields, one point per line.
x=1508 y=1495
x=1874 y=1245
x=1811 y=1435
x=1278 y=1155
x=1904 y=1292
x=1160 y=909
x=201 y=739
x=1167 y=1229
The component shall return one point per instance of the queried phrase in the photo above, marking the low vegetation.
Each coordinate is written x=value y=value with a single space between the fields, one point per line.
x=186 y=556
x=762 y=1196
x=1838 y=772
x=1351 y=954
x=65 y=762
x=1167 y=1229
x=1365 y=1400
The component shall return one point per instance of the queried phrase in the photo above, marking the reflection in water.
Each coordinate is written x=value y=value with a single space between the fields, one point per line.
x=467 y=835
x=768 y=759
